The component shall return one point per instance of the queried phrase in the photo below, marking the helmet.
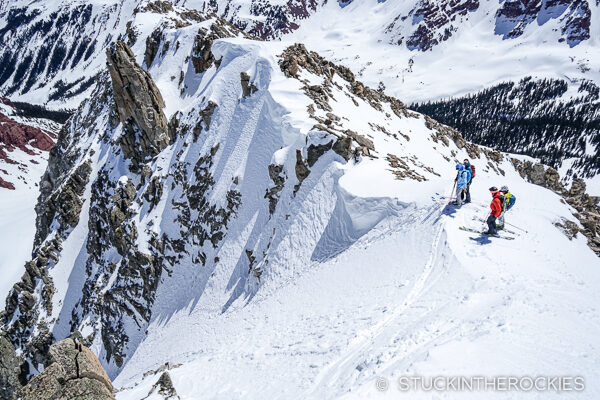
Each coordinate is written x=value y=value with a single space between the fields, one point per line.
x=504 y=189
x=494 y=189
x=459 y=167
x=466 y=162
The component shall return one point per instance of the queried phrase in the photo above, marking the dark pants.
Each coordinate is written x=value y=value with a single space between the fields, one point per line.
x=491 y=221
x=468 y=192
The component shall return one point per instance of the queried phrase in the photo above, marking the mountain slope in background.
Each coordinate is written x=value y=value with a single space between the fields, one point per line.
x=470 y=58
x=25 y=140
x=546 y=119
x=239 y=208
x=63 y=62
x=419 y=50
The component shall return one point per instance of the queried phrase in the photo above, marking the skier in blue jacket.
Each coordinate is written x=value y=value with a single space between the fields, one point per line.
x=470 y=172
x=462 y=179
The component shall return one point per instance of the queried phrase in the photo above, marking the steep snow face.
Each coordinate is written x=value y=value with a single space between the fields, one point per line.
x=413 y=296
x=24 y=146
x=245 y=189
x=294 y=221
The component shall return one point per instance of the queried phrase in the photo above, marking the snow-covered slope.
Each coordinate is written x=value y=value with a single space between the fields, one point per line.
x=253 y=212
x=424 y=49
x=24 y=146
x=465 y=53
x=52 y=51
x=416 y=50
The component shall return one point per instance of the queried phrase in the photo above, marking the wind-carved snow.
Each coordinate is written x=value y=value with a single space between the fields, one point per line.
x=366 y=275
x=355 y=271
x=352 y=218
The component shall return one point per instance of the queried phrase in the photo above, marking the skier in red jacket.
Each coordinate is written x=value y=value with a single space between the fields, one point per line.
x=496 y=207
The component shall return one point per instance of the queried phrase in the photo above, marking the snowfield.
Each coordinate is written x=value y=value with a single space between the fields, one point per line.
x=372 y=277
x=473 y=57
x=412 y=296
x=358 y=272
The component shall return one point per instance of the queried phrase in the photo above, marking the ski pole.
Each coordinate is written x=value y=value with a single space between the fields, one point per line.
x=514 y=226
x=450 y=196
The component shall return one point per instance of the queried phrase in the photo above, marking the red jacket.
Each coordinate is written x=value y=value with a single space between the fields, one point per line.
x=496 y=205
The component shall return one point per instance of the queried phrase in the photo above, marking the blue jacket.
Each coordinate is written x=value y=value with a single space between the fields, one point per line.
x=462 y=179
x=469 y=174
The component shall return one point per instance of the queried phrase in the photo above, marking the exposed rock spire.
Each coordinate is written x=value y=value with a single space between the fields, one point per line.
x=139 y=104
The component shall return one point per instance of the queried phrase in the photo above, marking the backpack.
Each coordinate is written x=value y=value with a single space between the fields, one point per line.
x=472 y=171
x=511 y=201
x=502 y=202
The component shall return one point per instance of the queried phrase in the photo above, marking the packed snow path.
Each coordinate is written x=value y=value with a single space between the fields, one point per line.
x=473 y=306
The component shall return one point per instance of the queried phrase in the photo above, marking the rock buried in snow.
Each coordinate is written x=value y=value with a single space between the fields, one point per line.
x=74 y=373
x=164 y=387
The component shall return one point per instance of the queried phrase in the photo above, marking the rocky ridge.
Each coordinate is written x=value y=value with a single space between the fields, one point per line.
x=73 y=372
x=159 y=210
x=587 y=207
x=126 y=100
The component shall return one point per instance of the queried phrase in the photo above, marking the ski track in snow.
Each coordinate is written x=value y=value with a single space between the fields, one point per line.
x=366 y=338
x=448 y=316
x=393 y=288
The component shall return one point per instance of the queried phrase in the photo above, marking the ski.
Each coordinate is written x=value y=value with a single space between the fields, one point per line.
x=462 y=228
x=503 y=230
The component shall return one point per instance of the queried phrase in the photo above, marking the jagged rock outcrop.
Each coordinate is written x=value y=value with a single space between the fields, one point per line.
x=435 y=22
x=539 y=174
x=587 y=207
x=152 y=46
x=278 y=177
x=515 y=15
x=164 y=388
x=139 y=105
x=202 y=57
x=63 y=205
x=73 y=372
x=247 y=87
x=10 y=369
x=297 y=56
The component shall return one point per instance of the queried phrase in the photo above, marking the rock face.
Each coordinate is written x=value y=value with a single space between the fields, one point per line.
x=24 y=128
x=73 y=372
x=202 y=57
x=139 y=104
x=164 y=388
x=10 y=369
x=433 y=22
x=588 y=207
x=515 y=15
